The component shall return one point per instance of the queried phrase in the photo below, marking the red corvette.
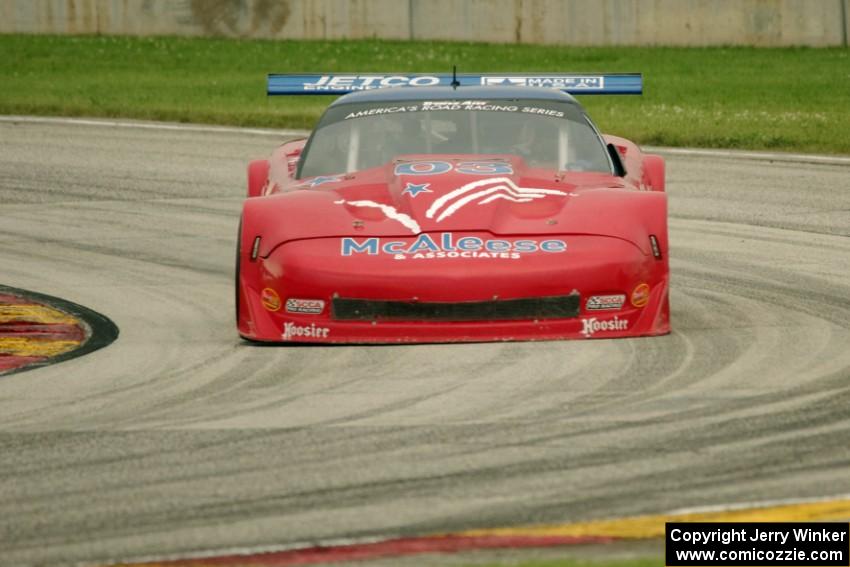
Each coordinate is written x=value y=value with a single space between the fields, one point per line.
x=488 y=208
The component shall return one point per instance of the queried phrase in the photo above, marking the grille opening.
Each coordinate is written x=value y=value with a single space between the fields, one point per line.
x=551 y=307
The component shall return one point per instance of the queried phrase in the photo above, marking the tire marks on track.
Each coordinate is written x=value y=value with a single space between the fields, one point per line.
x=180 y=438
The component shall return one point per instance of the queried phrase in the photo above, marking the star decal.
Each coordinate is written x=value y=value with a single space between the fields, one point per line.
x=414 y=189
x=316 y=181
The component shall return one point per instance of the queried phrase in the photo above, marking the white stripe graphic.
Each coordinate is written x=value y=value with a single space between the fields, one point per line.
x=506 y=198
x=503 y=188
x=389 y=211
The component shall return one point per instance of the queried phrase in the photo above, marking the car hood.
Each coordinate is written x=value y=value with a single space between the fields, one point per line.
x=501 y=195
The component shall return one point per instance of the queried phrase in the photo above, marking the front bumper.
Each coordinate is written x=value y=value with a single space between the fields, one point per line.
x=447 y=296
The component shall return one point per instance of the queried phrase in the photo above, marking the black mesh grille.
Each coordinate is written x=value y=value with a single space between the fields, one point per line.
x=554 y=307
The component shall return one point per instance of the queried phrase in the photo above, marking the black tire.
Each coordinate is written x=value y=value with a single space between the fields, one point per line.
x=238 y=253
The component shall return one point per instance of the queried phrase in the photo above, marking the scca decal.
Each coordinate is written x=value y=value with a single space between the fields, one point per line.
x=308 y=306
x=605 y=302
x=468 y=167
x=427 y=247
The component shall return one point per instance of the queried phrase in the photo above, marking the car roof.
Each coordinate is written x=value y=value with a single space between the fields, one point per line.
x=460 y=93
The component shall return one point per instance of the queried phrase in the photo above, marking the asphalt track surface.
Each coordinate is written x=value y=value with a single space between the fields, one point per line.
x=179 y=437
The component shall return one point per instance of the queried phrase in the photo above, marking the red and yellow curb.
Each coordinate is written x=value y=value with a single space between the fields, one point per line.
x=647 y=527
x=599 y=531
x=32 y=332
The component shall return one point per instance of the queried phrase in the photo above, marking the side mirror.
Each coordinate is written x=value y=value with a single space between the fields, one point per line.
x=617 y=160
x=654 y=172
x=258 y=177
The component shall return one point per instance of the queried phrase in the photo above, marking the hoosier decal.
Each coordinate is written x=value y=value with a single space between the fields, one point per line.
x=594 y=325
x=291 y=331
x=426 y=246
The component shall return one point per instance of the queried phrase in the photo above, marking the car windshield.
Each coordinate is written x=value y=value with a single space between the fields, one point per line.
x=553 y=134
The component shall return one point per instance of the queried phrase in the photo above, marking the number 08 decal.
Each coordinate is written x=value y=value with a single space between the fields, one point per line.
x=468 y=167
x=485 y=168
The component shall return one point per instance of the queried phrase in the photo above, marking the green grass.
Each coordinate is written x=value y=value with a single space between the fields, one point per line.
x=794 y=99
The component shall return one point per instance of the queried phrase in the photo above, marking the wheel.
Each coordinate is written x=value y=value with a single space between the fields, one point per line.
x=238 y=254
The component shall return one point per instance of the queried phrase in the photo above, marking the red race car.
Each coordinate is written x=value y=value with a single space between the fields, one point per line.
x=444 y=208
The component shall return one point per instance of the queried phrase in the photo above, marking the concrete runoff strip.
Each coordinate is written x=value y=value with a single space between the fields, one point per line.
x=644 y=527
x=751 y=155
x=37 y=329
x=599 y=531
x=377 y=550
x=244 y=448
x=146 y=125
x=284 y=132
